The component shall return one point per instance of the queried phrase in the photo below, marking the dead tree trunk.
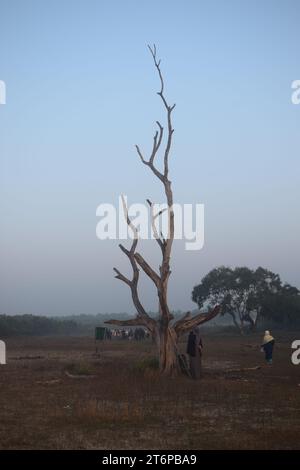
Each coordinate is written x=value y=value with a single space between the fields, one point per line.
x=166 y=334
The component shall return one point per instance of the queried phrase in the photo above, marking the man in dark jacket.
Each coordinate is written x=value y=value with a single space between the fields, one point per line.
x=194 y=350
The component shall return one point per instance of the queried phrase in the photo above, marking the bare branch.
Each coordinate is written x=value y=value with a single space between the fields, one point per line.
x=130 y=224
x=157 y=65
x=160 y=240
x=168 y=108
x=150 y=164
x=122 y=277
x=186 y=323
x=159 y=135
x=137 y=257
x=133 y=283
x=147 y=269
x=182 y=320
x=156 y=143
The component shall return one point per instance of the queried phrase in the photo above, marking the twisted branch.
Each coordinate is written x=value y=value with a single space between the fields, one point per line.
x=187 y=322
x=143 y=317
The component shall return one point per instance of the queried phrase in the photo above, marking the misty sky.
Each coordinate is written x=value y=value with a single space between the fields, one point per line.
x=81 y=91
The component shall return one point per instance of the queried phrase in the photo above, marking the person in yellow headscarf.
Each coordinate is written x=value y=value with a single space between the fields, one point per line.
x=267 y=346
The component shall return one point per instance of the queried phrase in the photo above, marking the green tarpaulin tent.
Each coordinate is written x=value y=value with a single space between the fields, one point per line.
x=100 y=333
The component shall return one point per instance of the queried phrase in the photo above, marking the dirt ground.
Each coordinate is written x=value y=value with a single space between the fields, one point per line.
x=55 y=393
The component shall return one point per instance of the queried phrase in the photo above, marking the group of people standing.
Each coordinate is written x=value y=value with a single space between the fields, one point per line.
x=138 y=334
x=195 y=348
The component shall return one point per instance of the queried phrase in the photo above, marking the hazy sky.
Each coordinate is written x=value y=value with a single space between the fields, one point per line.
x=81 y=91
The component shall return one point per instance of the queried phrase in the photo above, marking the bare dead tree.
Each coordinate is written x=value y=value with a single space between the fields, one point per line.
x=164 y=330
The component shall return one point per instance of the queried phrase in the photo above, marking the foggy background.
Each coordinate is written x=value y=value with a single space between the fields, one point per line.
x=81 y=91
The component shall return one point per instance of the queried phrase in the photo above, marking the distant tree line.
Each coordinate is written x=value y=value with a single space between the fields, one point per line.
x=32 y=325
x=35 y=325
x=249 y=296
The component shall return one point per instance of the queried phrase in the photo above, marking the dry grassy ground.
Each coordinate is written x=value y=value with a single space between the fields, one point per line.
x=123 y=405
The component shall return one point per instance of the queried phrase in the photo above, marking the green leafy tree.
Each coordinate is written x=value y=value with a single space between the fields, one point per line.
x=247 y=295
x=282 y=307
